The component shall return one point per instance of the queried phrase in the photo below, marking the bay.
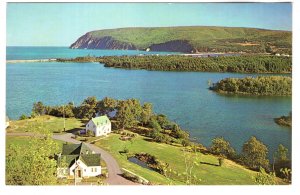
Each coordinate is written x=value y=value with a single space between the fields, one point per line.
x=182 y=96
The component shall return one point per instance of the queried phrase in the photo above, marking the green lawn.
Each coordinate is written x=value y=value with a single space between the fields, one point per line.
x=229 y=173
x=50 y=123
x=23 y=141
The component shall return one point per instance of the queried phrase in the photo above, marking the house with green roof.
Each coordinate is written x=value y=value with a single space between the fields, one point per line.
x=79 y=161
x=100 y=125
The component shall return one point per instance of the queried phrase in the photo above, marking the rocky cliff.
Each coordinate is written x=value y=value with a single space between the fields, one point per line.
x=87 y=41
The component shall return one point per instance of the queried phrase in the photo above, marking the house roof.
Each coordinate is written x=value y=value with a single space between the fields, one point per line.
x=72 y=152
x=100 y=120
x=68 y=160
x=91 y=159
x=75 y=149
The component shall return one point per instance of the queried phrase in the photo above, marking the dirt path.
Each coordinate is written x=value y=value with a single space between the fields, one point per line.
x=113 y=168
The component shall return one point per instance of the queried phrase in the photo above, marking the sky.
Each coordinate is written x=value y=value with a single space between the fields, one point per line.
x=61 y=24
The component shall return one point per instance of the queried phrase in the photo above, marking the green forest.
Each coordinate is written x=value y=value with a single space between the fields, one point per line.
x=262 y=85
x=238 y=64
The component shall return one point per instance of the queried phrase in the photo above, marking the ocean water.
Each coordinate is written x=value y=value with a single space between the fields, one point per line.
x=182 y=96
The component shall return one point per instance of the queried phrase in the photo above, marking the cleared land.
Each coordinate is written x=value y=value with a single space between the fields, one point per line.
x=50 y=123
x=23 y=141
x=208 y=170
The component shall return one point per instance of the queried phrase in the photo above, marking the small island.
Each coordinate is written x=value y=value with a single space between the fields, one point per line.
x=261 y=85
x=284 y=120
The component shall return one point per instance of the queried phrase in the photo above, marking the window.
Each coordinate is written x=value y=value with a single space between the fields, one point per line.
x=95 y=169
x=84 y=170
x=92 y=170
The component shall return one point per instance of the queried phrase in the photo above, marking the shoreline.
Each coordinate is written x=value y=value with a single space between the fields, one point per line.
x=35 y=60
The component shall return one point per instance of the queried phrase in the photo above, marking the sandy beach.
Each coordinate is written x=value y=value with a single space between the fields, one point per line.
x=24 y=61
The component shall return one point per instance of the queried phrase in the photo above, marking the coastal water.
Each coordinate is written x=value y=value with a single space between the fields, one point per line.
x=182 y=96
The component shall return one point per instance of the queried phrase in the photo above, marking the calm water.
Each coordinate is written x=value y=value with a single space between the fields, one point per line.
x=183 y=96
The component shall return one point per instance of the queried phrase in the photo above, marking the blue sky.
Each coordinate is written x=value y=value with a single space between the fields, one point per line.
x=60 y=24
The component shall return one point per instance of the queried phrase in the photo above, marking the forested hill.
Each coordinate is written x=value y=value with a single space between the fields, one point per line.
x=189 y=39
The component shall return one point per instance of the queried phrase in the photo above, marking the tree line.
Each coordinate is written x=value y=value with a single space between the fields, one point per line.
x=261 y=85
x=129 y=114
x=254 y=156
x=239 y=64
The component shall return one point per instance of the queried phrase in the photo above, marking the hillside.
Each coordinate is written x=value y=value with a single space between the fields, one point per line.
x=189 y=39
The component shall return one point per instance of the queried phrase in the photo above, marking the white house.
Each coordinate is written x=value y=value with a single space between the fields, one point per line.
x=77 y=160
x=100 y=125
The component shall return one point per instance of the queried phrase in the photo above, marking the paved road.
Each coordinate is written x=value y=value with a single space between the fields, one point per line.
x=113 y=168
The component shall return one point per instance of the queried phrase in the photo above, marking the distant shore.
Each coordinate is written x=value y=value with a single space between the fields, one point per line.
x=35 y=60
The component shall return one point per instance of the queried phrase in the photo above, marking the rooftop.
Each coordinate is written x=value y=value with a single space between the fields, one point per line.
x=73 y=152
x=100 y=120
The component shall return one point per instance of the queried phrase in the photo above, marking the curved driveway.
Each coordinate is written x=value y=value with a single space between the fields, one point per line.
x=113 y=168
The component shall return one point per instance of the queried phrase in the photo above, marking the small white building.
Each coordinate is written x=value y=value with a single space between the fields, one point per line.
x=100 y=125
x=77 y=160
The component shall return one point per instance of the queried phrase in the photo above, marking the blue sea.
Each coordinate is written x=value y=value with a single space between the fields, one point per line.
x=182 y=96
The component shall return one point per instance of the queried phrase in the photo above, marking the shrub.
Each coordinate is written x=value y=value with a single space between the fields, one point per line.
x=33 y=115
x=185 y=142
x=23 y=117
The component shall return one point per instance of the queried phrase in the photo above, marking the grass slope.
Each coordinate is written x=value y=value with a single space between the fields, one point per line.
x=51 y=123
x=230 y=173
x=23 y=141
x=201 y=36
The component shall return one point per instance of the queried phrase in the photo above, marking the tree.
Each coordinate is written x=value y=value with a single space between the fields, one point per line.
x=33 y=165
x=129 y=113
x=39 y=108
x=254 y=154
x=263 y=178
x=179 y=133
x=281 y=154
x=155 y=125
x=69 y=110
x=163 y=121
x=146 y=113
x=87 y=109
x=281 y=162
x=106 y=105
x=222 y=147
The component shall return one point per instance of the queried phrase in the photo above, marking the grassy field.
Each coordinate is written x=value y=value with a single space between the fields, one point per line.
x=50 y=123
x=23 y=141
x=208 y=170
